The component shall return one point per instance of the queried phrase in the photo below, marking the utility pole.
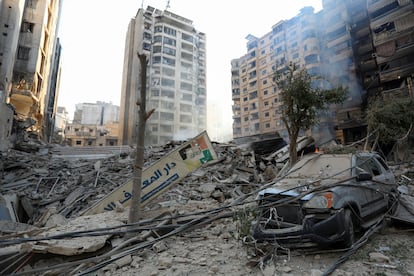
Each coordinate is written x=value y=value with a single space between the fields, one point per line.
x=135 y=210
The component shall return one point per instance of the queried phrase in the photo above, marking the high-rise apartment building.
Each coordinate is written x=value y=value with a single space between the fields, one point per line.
x=35 y=80
x=373 y=43
x=256 y=99
x=176 y=77
x=364 y=45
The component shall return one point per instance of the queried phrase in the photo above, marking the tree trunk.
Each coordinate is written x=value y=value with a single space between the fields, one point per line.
x=135 y=209
x=293 y=152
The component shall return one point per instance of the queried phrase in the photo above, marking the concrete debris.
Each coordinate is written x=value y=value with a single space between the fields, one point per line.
x=45 y=189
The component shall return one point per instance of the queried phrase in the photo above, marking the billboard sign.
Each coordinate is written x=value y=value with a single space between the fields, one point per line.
x=162 y=175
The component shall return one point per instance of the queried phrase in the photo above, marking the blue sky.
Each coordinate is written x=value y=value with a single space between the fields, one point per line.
x=92 y=34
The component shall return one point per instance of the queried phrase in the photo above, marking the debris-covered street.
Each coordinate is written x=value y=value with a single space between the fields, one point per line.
x=199 y=227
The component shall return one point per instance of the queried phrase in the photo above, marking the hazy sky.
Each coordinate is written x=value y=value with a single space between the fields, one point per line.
x=92 y=34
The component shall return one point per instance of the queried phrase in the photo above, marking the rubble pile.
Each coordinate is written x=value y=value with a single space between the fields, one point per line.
x=202 y=215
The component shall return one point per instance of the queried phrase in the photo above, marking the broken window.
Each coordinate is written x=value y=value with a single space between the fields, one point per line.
x=27 y=27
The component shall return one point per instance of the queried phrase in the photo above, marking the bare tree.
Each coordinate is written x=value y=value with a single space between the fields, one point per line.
x=135 y=209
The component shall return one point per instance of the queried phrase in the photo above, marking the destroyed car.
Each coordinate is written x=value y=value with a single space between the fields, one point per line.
x=324 y=199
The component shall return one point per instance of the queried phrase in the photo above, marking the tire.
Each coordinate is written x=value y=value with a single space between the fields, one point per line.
x=349 y=236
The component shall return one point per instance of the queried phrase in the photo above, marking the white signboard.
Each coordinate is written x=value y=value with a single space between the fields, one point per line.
x=162 y=175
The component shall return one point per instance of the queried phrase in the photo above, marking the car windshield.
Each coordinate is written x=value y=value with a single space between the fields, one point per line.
x=322 y=166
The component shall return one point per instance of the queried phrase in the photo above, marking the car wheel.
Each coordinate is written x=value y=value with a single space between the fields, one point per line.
x=349 y=237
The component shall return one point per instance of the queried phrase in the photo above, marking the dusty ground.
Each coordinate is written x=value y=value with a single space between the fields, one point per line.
x=216 y=250
x=212 y=253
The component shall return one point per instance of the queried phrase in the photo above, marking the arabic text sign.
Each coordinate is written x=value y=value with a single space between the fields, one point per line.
x=162 y=175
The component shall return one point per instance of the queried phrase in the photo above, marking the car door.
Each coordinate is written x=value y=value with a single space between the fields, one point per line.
x=376 y=190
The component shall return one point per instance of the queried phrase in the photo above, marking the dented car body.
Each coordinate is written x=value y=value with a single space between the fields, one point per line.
x=324 y=199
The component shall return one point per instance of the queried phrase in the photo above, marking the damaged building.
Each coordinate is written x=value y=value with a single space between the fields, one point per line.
x=30 y=65
x=365 y=45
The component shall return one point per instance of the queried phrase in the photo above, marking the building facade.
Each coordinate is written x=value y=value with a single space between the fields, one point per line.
x=11 y=14
x=99 y=113
x=365 y=45
x=79 y=135
x=61 y=120
x=94 y=124
x=256 y=99
x=176 y=77
x=35 y=70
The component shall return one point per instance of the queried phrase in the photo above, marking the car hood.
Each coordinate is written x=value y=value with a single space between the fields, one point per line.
x=294 y=187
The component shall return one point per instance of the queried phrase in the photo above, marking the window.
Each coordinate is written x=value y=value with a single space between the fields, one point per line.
x=369 y=165
x=186 y=57
x=186 y=119
x=187 y=47
x=267 y=114
x=170 y=31
x=253 y=95
x=252 y=74
x=167 y=82
x=169 y=41
x=166 y=128
x=185 y=108
x=167 y=116
x=157 y=38
x=337 y=33
x=158 y=29
x=156 y=49
x=264 y=82
x=186 y=86
x=168 y=72
x=255 y=116
x=155 y=93
x=187 y=37
x=311 y=59
x=186 y=76
x=187 y=97
x=78 y=142
x=146 y=46
x=27 y=27
x=23 y=53
x=156 y=59
x=169 y=51
x=147 y=36
x=31 y=4
x=167 y=105
x=168 y=61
